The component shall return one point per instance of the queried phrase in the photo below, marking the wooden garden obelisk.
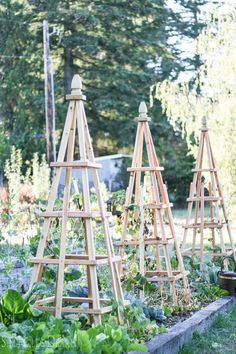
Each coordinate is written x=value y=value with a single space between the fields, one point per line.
x=159 y=209
x=76 y=121
x=206 y=207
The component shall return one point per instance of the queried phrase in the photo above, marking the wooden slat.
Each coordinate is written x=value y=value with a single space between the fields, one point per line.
x=106 y=309
x=151 y=206
x=158 y=242
x=142 y=119
x=158 y=206
x=186 y=250
x=206 y=253
x=76 y=164
x=145 y=168
x=204 y=170
x=206 y=199
x=161 y=279
x=45 y=301
x=75 y=259
x=156 y=272
x=76 y=97
x=146 y=242
x=210 y=225
x=71 y=310
x=176 y=276
x=73 y=299
x=74 y=214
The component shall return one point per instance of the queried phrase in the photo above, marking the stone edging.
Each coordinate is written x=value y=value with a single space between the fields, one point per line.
x=181 y=333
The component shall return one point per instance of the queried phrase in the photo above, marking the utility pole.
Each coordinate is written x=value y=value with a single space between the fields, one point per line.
x=49 y=96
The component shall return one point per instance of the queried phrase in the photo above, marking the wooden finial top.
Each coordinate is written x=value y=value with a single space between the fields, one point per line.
x=204 y=123
x=76 y=85
x=143 y=112
x=142 y=108
x=76 y=89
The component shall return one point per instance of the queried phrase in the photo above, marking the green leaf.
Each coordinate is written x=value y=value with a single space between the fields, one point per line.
x=137 y=346
x=14 y=306
x=101 y=337
x=83 y=342
x=117 y=334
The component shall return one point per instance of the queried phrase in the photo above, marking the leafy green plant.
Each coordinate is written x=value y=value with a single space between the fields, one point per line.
x=209 y=293
x=27 y=331
x=13 y=308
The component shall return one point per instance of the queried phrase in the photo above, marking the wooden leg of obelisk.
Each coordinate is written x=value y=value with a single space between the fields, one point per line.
x=212 y=219
x=87 y=208
x=115 y=277
x=141 y=239
x=46 y=226
x=196 y=214
x=88 y=272
x=177 y=248
x=66 y=199
x=202 y=229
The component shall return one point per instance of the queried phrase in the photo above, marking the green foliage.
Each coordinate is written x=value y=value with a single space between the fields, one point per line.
x=21 y=79
x=139 y=325
x=210 y=95
x=152 y=312
x=13 y=308
x=118 y=59
x=111 y=55
x=25 y=331
x=208 y=293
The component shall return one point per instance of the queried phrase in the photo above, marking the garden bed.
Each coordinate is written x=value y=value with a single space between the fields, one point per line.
x=182 y=332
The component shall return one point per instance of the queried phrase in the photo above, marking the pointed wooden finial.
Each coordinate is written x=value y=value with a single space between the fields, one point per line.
x=142 y=108
x=142 y=112
x=204 y=123
x=76 y=85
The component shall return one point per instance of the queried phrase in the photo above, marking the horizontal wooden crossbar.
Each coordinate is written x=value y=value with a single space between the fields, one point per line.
x=75 y=259
x=39 y=304
x=204 y=170
x=145 y=168
x=190 y=252
x=206 y=225
x=76 y=164
x=158 y=206
x=76 y=97
x=142 y=119
x=74 y=299
x=74 y=214
x=145 y=241
x=206 y=199
x=163 y=276
x=161 y=272
x=76 y=310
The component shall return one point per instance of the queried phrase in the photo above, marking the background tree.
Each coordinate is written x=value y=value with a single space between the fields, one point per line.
x=184 y=106
x=119 y=48
x=21 y=94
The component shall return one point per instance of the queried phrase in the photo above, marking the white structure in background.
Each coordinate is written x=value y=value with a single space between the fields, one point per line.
x=108 y=174
x=111 y=166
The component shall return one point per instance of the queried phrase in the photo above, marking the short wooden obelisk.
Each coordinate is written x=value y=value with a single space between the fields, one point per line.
x=206 y=214
x=76 y=121
x=162 y=226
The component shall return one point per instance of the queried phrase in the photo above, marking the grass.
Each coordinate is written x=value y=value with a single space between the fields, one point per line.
x=181 y=213
x=219 y=339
